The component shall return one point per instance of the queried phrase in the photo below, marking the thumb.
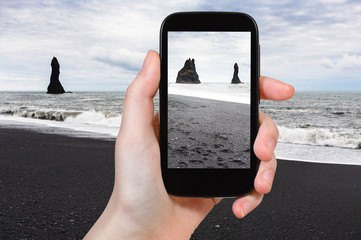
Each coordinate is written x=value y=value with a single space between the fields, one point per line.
x=138 y=108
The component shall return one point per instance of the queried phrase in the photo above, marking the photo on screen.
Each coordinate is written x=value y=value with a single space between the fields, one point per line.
x=209 y=99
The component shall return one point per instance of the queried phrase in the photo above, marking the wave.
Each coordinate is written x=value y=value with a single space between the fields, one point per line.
x=338 y=113
x=290 y=110
x=319 y=136
x=44 y=114
x=78 y=117
x=96 y=118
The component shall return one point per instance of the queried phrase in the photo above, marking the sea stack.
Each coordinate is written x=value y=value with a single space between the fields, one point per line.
x=235 y=78
x=188 y=73
x=55 y=86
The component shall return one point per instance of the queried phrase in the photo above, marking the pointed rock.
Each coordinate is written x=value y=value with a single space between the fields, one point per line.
x=55 y=86
x=188 y=73
x=235 y=78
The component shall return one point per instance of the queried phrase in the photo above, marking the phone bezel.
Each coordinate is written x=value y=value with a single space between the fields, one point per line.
x=216 y=182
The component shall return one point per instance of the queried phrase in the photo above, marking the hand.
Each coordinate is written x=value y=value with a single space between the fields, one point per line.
x=140 y=207
x=264 y=146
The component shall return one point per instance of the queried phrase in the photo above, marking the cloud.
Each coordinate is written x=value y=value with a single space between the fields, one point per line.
x=296 y=39
x=333 y=1
x=346 y=62
x=122 y=58
x=14 y=81
x=106 y=41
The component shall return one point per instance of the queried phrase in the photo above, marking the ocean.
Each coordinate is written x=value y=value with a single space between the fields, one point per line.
x=322 y=126
x=94 y=114
x=318 y=126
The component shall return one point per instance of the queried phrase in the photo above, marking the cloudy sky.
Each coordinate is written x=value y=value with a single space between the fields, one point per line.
x=215 y=54
x=314 y=45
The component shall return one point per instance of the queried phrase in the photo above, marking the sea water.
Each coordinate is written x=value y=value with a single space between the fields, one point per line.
x=314 y=126
x=95 y=113
x=318 y=126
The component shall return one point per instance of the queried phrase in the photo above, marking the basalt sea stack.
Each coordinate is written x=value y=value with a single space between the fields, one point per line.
x=55 y=86
x=188 y=73
x=235 y=78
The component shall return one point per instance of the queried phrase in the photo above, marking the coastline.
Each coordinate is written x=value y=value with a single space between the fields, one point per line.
x=98 y=115
x=239 y=93
x=56 y=186
x=318 y=154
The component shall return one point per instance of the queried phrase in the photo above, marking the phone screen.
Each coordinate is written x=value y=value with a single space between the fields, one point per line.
x=209 y=110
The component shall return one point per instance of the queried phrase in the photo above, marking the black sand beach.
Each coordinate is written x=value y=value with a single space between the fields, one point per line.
x=52 y=186
x=55 y=187
x=206 y=133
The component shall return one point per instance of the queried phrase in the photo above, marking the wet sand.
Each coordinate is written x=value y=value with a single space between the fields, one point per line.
x=206 y=133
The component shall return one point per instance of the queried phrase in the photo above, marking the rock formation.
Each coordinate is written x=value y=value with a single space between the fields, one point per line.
x=188 y=73
x=55 y=85
x=235 y=78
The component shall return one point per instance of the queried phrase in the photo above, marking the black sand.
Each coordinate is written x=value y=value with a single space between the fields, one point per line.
x=55 y=187
x=205 y=133
x=52 y=186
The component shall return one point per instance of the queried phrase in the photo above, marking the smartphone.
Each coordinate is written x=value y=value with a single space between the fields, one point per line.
x=209 y=98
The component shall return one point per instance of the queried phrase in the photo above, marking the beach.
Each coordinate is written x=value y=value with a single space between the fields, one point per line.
x=207 y=133
x=52 y=186
x=57 y=172
x=307 y=201
x=55 y=187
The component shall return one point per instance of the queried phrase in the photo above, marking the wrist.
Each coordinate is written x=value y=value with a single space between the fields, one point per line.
x=116 y=222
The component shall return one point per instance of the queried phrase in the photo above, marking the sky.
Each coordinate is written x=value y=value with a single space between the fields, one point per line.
x=100 y=45
x=214 y=54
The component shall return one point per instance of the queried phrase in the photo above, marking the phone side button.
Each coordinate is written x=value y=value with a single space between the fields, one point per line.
x=259 y=71
x=259 y=60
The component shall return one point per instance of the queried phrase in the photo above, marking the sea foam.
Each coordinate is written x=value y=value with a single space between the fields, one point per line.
x=95 y=118
x=89 y=121
x=239 y=93
x=320 y=137
x=40 y=113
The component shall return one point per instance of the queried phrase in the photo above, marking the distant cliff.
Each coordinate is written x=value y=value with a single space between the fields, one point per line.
x=55 y=86
x=188 y=73
x=235 y=78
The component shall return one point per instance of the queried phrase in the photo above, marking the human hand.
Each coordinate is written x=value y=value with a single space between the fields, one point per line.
x=140 y=207
x=264 y=146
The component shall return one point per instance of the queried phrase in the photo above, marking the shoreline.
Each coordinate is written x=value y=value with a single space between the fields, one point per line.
x=51 y=128
x=56 y=186
x=238 y=93
x=318 y=154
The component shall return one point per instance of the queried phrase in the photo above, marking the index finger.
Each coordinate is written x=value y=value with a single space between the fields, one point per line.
x=273 y=89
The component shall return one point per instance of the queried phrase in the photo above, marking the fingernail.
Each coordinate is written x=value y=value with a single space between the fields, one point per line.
x=267 y=178
x=247 y=208
x=271 y=146
x=146 y=61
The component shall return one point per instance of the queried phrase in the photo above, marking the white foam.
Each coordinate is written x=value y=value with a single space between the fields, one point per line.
x=239 y=93
x=95 y=118
x=40 y=113
x=319 y=136
x=318 y=154
x=83 y=122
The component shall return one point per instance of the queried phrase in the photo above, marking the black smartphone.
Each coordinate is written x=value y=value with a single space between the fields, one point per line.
x=209 y=103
